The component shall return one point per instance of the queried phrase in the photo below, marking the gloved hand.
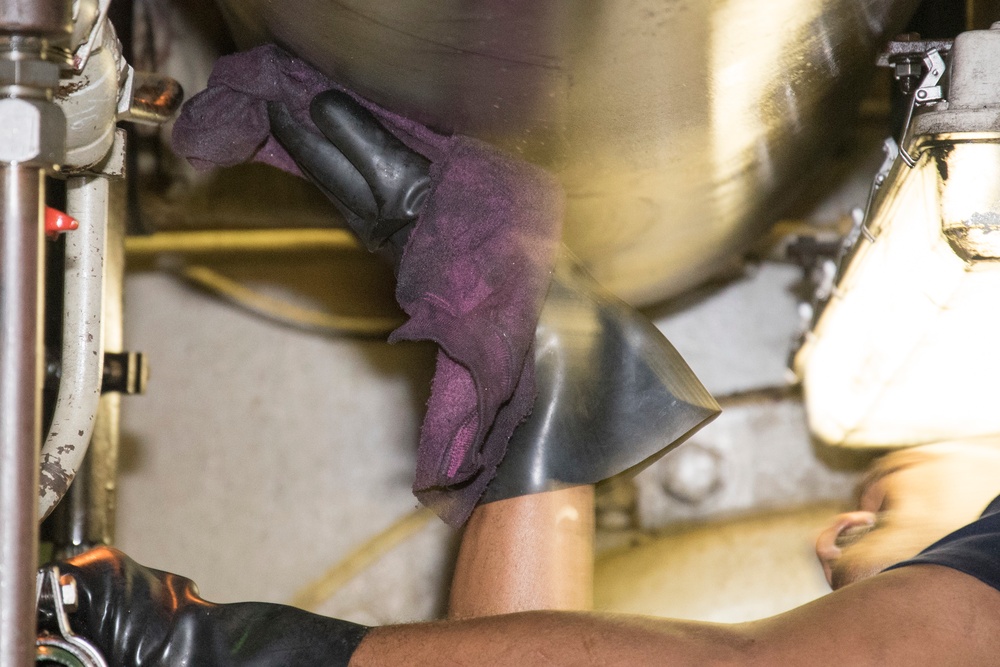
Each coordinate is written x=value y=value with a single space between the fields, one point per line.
x=139 y=617
x=376 y=181
x=612 y=392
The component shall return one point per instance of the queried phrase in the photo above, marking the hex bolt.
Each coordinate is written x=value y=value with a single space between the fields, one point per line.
x=67 y=587
x=20 y=128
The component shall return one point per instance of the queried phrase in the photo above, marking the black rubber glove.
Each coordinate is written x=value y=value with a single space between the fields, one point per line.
x=376 y=181
x=139 y=617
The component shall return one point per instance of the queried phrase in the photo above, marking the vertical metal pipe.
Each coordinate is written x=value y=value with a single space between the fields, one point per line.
x=21 y=262
x=34 y=141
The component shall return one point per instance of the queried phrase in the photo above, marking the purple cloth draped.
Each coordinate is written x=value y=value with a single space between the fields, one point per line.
x=472 y=276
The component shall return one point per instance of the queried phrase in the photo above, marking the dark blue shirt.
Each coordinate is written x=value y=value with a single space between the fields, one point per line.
x=973 y=549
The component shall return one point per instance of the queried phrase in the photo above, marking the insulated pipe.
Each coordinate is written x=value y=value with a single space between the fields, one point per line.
x=87 y=200
x=21 y=300
x=86 y=516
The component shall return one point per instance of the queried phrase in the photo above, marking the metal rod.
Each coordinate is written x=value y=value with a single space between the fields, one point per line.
x=33 y=141
x=242 y=241
x=21 y=300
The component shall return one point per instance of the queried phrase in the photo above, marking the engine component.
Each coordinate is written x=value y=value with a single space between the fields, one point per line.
x=58 y=644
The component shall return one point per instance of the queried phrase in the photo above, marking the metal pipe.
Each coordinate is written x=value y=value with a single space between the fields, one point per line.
x=243 y=241
x=66 y=444
x=22 y=198
x=32 y=142
x=87 y=513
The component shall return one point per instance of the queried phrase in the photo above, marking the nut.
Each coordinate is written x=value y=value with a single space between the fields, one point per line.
x=31 y=131
x=20 y=130
x=67 y=587
x=29 y=72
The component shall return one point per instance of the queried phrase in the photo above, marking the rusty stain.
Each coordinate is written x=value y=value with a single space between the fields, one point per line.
x=80 y=432
x=68 y=89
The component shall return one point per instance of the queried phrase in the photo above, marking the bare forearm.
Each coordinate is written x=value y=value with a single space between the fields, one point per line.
x=527 y=553
x=554 y=638
x=919 y=616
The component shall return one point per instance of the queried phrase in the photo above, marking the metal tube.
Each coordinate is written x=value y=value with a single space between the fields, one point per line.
x=33 y=142
x=88 y=510
x=21 y=300
x=83 y=347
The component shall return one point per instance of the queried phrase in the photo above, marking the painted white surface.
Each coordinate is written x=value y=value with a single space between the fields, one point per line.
x=261 y=455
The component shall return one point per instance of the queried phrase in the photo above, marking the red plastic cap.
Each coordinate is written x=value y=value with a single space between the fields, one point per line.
x=57 y=222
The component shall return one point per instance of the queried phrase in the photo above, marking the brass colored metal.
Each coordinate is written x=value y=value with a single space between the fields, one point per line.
x=244 y=241
x=679 y=127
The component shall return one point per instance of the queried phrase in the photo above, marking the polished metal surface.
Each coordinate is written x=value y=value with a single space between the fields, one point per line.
x=35 y=17
x=678 y=127
x=30 y=144
x=21 y=198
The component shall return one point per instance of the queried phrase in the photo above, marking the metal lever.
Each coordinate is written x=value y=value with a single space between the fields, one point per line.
x=927 y=92
x=56 y=595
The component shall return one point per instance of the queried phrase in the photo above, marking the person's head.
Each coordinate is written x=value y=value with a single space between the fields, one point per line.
x=908 y=500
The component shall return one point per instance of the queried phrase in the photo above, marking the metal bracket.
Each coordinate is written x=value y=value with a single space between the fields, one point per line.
x=56 y=594
x=927 y=92
x=82 y=54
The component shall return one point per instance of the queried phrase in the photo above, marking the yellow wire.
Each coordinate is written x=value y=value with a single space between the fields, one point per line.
x=239 y=242
x=287 y=313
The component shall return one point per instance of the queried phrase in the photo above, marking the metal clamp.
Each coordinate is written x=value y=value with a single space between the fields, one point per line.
x=927 y=92
x=56 y=594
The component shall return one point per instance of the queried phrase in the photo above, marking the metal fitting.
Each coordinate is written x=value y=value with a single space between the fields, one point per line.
x=67 y=586
x=124 y=373
x=89 y=100
x=28 y=74
x=51 y=18
x=32 y=132
x=149 y=98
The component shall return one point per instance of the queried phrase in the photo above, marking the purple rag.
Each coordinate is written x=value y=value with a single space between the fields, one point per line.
x=472 y=277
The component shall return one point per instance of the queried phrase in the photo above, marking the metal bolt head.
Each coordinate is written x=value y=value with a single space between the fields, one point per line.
x=692 y=473
x=907 y=68
x=67 y=588
x=20 y=130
